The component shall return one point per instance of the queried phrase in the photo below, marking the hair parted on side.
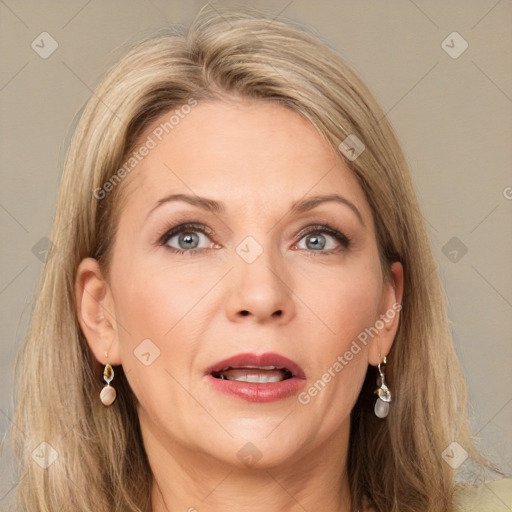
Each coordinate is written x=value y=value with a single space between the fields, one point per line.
x=393 y=465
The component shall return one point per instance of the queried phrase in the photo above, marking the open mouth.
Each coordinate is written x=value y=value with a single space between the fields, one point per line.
x=253 y=374
x=262 y=378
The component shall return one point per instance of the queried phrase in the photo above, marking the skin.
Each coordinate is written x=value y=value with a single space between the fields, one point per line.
x=198 y=308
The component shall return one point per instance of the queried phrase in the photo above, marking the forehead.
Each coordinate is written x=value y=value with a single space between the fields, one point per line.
x=235 y=150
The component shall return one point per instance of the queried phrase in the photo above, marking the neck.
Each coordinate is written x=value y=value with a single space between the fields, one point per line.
x=192 y=481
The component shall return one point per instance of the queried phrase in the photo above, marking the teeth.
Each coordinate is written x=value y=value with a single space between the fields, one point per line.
x=259 y=379
x=255 y=368
x=256 y=375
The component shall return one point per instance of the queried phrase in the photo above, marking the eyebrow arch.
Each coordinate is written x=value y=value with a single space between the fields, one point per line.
x=309 y=203
x=300 y=206
x=209 y=205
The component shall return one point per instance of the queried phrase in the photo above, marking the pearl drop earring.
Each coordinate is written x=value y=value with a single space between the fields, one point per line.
x=108 y=393
x=382 y=403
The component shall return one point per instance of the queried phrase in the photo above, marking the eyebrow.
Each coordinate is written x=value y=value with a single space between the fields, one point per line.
x=300 y=206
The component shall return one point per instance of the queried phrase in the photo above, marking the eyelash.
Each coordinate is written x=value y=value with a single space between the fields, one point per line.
x=343 y=239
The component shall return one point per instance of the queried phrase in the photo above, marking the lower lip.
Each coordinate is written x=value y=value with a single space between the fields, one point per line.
x=258 y=392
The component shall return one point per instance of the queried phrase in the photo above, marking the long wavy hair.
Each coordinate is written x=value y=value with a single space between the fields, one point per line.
x=100 y=464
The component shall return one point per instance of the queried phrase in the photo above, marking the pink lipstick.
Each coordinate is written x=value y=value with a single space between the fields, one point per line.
x=257 y=377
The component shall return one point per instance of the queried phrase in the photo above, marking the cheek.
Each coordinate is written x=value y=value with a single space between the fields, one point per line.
x=153 y=333
x=151 y=305
x=345 y=302
x=349 y=310
x=152 y=299
x=348 y=307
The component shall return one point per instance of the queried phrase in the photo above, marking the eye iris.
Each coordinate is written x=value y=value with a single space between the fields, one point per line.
x=189 y=238
x=317 y=239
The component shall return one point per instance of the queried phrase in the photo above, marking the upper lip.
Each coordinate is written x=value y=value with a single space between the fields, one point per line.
x=258 y=360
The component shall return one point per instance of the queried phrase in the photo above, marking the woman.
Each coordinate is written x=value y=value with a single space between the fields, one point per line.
x=243 y=311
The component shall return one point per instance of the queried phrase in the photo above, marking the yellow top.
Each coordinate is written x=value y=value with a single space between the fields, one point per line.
x=491 y=497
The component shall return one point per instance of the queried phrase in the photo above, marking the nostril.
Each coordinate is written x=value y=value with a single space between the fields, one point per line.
x=275 y=313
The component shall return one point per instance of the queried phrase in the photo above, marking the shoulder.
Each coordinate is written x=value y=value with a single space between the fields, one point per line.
x=490 y=497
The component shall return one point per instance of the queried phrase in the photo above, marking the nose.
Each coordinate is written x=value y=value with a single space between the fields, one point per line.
x=261 y=290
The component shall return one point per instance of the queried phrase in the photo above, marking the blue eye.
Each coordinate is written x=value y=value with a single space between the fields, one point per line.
x=317 y=241
x=187 y=237
x=193 y=238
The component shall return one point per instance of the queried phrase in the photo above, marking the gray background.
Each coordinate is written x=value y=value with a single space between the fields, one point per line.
x=452 y=116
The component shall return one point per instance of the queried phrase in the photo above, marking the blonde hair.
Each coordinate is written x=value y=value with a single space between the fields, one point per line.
x=393 y=464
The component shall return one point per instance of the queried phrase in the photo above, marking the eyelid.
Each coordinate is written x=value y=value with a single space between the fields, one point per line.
x=343 y=239
x=340 y=236
x=192 y=226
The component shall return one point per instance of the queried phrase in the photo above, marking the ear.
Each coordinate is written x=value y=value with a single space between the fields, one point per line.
x=389 y=315
x=95 y=310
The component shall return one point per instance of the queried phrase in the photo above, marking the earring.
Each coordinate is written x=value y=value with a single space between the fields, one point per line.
x=382 y=403
x=108 y=393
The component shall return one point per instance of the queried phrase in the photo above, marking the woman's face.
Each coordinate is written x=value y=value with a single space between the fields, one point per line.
x=276 y=254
